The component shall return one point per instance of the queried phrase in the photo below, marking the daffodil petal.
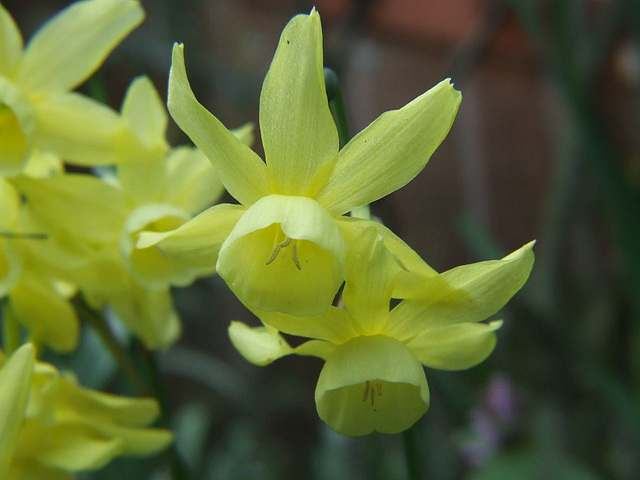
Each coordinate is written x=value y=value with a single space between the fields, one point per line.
x=242 y=172
x=245 y=133
x=262 y=346
x=391 y=151
x=150 y=266
x=258 y=345
x=334 y=325
x=195 y=183
x=73 y=44
x=70 y=447
x=10 y=251
x=10 y=43
x=138 y=442
x=371 y=383
x=102 y=407
x=79 y=205
x=46 y=313
x=371 y=273
x=10 y=265
x=146 y=115
x=15 y=384
x=455 y=347
x=144 y=181
x=197 y=242
x=285 y=254
x=79 y=129
x=17 y=123
x=298 y=132
x=415 y=270
x=149 y=314
x=473 y=293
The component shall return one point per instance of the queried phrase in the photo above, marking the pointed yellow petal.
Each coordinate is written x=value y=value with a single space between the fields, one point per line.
x=258 y=345
x=146 y=115
x=15 y=384
x=197 y=242
x=262 y=346
x=73 y=44
x=415 y=270
x=371 y=273
x=149 y=314
x=334 y=325
x=46 y=313
x=371 y=383
x=17 y=123
x=10 y=248
x=242 y=172
x=298 y=131
x=10 y=43
x=79 y=129
x=391 y=151
x=150 y=266
x=78 y=205
x=285 y=254
x=195 y=183
x=246 y=133
x=474 y=292
x=79 y=402
x=70 y=447
x=455 y=347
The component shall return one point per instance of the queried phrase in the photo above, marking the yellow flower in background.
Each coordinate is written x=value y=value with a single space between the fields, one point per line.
x=35 y=297
x=93 y=223
x=373 y=378
x=284 y=247
x=51 y=428
x=15 y=385
x=37 y=107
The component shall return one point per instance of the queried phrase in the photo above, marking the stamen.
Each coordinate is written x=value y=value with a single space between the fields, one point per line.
x=366 y=391
x=294 y=255
x=277 y=246
x=379 y=388
x=274 y=254
x=285 y=243
x=372 y=396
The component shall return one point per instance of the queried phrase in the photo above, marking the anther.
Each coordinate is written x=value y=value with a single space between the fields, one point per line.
x=274 y=254
x=294 y=255
x=366 y=391
x=285 y=243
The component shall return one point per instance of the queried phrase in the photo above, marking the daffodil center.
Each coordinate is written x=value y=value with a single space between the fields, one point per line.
x=372 y=388
x=279 y=244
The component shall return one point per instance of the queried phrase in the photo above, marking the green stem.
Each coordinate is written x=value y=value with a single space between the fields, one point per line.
x=10 y=329
x=411 y=454
x=96 y=321
x=336 y=105
x=179 y=469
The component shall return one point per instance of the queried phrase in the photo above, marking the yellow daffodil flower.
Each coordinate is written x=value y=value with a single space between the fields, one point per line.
x=37 y=107
x=284 y=247
x=50 y=427
x=93 y=223
x=36 y=298
x=373 y=378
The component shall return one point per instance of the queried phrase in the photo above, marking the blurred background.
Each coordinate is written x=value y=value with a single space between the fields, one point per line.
x=546 y=145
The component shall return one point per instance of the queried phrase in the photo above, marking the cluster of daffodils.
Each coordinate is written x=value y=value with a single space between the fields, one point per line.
x=51 y=427
x=286 y=250
x=140 y=220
